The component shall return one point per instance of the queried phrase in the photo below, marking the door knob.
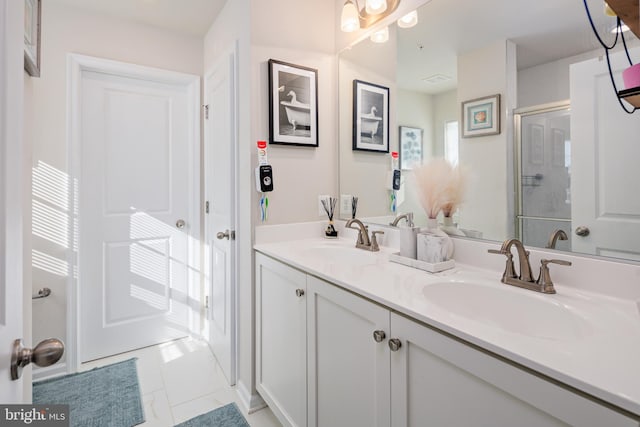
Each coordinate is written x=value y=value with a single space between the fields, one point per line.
x=299 y=292
x=379 y=336
x=180 y=224
x=226 y=235
x=395 y=344
x=46 y=353
x=582 y=231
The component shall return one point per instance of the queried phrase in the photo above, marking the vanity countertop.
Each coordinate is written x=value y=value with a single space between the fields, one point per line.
x=585 y=340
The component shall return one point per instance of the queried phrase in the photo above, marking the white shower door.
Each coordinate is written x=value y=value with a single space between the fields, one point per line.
x=137 y=208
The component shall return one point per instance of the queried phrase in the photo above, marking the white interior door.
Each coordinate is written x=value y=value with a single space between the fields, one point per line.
x=603 y=170
x=137 y=208
x=11 y=196
x=220 y=149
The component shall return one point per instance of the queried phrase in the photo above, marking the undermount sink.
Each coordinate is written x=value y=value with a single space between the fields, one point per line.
x=514 y=310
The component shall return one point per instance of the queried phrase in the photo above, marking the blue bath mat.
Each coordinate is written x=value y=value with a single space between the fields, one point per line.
x=108 y=396
x=225 y=416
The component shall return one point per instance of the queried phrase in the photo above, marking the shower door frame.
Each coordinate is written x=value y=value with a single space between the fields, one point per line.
x=518 y=114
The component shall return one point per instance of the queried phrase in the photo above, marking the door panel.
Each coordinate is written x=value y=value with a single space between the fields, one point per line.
x=220 y=148
x=134 y=191
x=603 y=162
x=12 y=190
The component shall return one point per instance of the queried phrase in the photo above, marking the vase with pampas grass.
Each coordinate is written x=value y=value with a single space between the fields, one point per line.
x=455 y=189
x=432 y=183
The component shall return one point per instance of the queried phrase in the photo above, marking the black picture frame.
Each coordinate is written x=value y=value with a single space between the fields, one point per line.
x=32 y=30
x=293 y=104
x=370 y=117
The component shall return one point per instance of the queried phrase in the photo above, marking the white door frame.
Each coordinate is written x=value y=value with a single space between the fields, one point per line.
x=208 y=178
x=76 y=66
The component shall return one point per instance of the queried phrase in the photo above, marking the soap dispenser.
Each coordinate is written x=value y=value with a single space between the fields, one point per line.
x=408 y=238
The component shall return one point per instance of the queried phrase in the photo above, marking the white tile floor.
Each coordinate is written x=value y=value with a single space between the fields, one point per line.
x=180 y=380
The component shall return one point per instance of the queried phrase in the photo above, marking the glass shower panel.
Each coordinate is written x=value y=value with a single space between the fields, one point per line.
x=545 y=174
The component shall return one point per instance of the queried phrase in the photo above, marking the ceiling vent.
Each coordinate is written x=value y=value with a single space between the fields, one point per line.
x=436 y=78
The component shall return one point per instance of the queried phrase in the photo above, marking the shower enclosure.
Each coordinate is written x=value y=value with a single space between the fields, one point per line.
x=543 y=174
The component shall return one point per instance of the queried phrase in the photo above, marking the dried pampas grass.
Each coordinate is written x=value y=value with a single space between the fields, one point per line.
x=439 y=186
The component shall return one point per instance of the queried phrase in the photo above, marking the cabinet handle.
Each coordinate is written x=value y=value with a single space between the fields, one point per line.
x=379 y=336
x=395 y=344
x=299 y=292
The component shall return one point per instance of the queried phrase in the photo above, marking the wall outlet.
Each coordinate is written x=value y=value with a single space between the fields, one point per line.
x=321 y=211
x=345 y=205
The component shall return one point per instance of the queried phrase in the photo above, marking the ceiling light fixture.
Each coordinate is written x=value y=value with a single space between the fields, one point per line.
x=409 y=20
x=354 y=18
x=380 y=36
x=375 y=7
x=349 y=21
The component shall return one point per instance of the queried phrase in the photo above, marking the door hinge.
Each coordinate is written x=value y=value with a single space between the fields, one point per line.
x=206 y=301
x=206 y=207
x=206 y=111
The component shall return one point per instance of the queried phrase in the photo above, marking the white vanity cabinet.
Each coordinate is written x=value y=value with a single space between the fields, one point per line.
x=332 y=358
x=438 y=378
x=348 y=370
x=281 y=339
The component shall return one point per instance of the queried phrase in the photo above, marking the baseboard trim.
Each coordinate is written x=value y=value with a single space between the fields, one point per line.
x=252 y=402
x=56 y=370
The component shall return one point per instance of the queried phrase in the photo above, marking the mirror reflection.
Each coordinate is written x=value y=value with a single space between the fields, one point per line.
x=564 y=155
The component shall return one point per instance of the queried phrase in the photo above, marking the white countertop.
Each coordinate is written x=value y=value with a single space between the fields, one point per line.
x=588 y=341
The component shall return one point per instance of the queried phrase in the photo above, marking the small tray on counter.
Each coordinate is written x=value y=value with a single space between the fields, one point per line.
x=422 y=265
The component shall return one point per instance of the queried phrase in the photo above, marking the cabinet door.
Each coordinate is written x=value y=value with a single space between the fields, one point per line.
x=348 y=371
x=438 y=381
x=281 y=356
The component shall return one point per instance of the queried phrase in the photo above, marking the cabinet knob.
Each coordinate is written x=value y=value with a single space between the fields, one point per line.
x=582 y=231
x=379 y=336
x=299 y=292
x=395 y=344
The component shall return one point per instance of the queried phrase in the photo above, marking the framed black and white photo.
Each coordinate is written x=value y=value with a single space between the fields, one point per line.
x=410 y=147
x=370 y=117
x=32 y=17
x=293 y=104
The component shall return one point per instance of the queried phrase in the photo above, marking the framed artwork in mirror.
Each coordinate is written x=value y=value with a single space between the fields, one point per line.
x=370 y=117
x=32 y=17
x=410 y=147
x=293 y=104
x=481 y=116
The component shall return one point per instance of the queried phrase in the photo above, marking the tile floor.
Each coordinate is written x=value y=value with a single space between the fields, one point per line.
x=180 y=380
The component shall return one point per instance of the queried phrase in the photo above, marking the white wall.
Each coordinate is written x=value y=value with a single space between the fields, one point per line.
x=68 y=30
x=481 y=73
x=447 y=109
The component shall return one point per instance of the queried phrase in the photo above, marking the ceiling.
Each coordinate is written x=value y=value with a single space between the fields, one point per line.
x=543 y=31
x=193 y=17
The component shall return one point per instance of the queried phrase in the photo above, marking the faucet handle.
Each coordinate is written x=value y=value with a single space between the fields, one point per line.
x=374 y=240
x=544 y=279
x=509 y=269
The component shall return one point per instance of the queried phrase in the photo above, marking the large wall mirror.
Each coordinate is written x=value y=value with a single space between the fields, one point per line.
x=566 y=155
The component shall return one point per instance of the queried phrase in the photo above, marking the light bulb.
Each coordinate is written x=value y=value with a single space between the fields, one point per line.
x=375 y=7
x=380 y=36
x=409 y=20
x=349 y=20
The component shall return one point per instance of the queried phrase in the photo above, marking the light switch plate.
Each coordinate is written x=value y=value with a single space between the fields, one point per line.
x=345 y=205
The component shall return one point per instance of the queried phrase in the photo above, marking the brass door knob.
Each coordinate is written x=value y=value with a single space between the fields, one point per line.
x=46 y=353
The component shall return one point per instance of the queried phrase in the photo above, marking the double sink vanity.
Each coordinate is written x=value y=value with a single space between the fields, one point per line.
x=346 y=338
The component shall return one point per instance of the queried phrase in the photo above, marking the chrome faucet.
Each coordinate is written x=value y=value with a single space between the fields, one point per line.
x=364 y=242
x=408 y=217
x=525 y=280
x=554 y=237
